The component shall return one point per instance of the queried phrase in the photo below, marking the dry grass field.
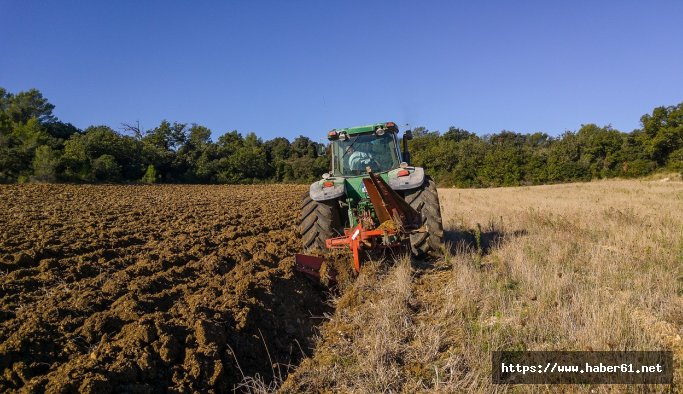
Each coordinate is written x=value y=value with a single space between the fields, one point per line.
x=591 y=266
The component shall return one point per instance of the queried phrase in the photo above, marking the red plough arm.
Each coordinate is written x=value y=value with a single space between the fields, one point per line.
x=354 y=239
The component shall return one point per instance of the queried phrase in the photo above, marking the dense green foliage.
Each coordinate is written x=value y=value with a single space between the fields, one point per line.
x=36 y=146
x=460 y=158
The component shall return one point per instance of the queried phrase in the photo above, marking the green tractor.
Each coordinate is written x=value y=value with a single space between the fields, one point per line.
x=372 y=199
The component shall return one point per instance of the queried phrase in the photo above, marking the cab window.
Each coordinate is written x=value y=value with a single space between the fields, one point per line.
x=351 y=157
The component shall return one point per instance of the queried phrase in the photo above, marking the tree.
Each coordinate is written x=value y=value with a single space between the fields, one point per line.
x=81 y=150
x=134 y=130
x=106 y=169
x=303 y=147
x=663 y=132
x=197 y=144
x=675 y=161
x=563 y=160
x=421 y=131
x=277 y=152
x=229 y=143
x=23 y=120
x=470 y=155
x=160 y=148
x=456 y=135
x=19 y=147
x=600 y=149
x=166 y=136
x=303 y=169
x=29 y=105
x=503 y=161
x=199 y=136
x=277 y=149
x=207 y=165
x=45 y=164
x=249 y=163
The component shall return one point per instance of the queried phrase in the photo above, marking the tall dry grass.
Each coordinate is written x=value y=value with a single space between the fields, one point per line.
x=592 y=266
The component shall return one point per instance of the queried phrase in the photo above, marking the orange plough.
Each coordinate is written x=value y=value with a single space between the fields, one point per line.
x=395 y=221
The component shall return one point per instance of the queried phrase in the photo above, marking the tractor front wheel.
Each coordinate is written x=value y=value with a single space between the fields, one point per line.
x=425 y=200
x=318 y=221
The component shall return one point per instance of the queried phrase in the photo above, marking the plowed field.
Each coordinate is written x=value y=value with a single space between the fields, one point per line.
x=144 y=288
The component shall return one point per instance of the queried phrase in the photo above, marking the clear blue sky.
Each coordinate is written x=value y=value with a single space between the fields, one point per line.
x=305 y=67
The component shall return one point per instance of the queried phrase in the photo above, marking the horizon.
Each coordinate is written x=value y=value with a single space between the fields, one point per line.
x=304 y=68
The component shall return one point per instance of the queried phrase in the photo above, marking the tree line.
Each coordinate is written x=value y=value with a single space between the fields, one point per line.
x=35 y=146
x=461 y=158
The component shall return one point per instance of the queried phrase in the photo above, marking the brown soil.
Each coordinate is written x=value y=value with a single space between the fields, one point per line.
x=145 y=288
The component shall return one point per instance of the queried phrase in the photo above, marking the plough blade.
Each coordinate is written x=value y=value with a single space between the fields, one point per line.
x=310 y=265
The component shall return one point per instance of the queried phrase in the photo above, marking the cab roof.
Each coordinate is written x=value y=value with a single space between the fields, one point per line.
x=368 y=128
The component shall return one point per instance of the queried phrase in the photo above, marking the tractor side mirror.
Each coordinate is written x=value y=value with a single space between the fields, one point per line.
x=322 y=149
x=407 y=135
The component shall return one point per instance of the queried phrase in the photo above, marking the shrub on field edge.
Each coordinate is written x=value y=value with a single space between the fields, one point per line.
x=150 y=175
x=45 y=164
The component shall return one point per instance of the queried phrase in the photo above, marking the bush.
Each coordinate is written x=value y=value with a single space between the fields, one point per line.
x=45 y=164
x=150 y=175
x=639 y=167
x=675 y=161
x=105 y=168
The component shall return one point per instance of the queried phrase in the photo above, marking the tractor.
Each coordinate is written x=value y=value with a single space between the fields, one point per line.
x=372 y=200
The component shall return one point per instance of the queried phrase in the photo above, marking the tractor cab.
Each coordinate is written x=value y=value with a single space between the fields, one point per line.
x=355 y=149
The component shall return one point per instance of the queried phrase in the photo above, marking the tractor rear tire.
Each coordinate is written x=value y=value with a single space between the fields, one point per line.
x=318 y=221
x=425 y=200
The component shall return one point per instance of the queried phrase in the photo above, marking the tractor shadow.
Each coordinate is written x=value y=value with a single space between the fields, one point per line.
x=477 y=239
x=481 y=241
